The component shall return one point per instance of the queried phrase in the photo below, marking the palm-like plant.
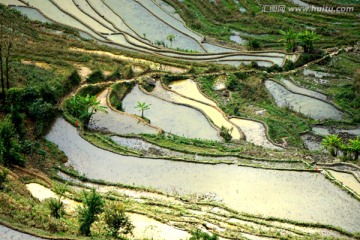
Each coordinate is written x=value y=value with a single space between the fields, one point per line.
x=307 y=39
x=170 y=38
x=354 y=147
x=332 y=143
x=142 y=106
x=290 y=38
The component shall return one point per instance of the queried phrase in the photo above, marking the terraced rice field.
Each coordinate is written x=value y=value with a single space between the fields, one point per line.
x=304 y=104
x=320 y=200
x=107 y=21
x=170 y=190
x=176 y=119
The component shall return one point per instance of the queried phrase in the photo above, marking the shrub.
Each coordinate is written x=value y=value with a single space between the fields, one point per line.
x=95 y=77
x=307 y=57
x=254 y=44
x=3 y=175
x=127 y=72
x=74 y=78
x=254 y=64
x=116 y=75
x=241 y=75
x=199 y=235
x=92 y=206
x=42 y=113
x=289 y=65
x=10 y=147
x=232 y=83
x=116 y=220
x=225 y=133
x=91 y=90
x=18 y=120
x=118 y=93
x=274 y=68
x=56 y=207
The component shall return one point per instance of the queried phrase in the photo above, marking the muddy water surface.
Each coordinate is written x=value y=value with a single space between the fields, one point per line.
x=255 y=132
x=189 y=89
x=216 y=116
x=295 y=195
x=173 y=118
x=117 y=122
x=348 y=180
x=294 y=88
x=311 y=107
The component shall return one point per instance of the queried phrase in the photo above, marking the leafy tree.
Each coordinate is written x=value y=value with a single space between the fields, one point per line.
x=354 y=147
x=290 y=38
x=142 y=106
x=92 y=206
x=199 y=235
x=84 y=107
x=10 y=147
x=307 y=40
x=170 y=38
x=117 y=221
x=332 y=143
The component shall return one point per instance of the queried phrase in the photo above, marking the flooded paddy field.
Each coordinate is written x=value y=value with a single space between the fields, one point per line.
x=176 y=119
x=299 y=196
x=214 y=114
x=309 y=106
x=118 y=122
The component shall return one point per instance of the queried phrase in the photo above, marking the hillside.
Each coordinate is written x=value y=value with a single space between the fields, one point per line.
x=190 y=117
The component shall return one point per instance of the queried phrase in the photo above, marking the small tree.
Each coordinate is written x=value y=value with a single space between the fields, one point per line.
x=332 y=143
x=170 y=38
x=142 y=106
x=84 y=107
x=354 y=147
x=92 y=206
x=290 y=38
x=116 y=220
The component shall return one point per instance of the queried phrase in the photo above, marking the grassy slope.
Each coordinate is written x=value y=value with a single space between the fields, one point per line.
x=217 y=20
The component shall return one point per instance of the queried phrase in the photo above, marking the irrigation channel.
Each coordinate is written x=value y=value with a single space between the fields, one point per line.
x=106 y=21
